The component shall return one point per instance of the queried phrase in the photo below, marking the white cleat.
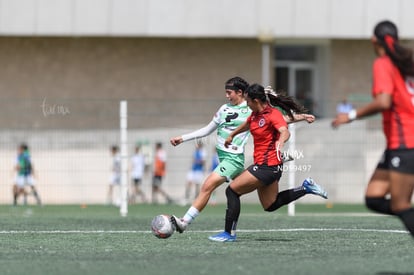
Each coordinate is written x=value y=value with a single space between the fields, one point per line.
x=179 y=224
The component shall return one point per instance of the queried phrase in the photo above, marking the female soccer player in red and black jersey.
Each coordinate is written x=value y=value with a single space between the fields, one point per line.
x=393 y=96
x=270 y=132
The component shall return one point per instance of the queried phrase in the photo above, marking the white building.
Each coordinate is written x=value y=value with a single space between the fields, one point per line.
x=170 y=59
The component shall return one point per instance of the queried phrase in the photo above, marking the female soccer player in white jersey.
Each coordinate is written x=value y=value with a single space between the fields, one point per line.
x=227 y=118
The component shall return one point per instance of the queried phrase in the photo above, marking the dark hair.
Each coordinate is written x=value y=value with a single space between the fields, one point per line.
x=275 y=99
x=24 y=147
x=386 y=33
x=237 y=83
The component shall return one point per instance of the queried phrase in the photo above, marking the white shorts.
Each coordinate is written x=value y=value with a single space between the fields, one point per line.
x=115 y=179
x=195 y=177
x=22 y=181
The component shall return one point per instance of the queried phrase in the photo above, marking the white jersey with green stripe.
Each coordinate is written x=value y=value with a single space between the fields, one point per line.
x=228 y=118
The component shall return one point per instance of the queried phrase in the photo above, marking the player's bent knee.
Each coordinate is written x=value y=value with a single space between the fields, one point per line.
x=230 y=193
x=373 y=203
x=379 y=204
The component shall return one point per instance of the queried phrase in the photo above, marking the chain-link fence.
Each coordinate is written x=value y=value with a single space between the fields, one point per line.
x=70 y=140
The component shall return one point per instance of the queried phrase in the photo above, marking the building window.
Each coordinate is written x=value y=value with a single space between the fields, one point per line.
x=295 y=53
x=295 y=72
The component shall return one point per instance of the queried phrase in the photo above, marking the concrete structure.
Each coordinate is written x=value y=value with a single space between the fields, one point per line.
x=337 y=19
x=66 y=64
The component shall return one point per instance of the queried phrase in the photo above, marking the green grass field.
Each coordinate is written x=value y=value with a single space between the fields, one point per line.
x=345 y=239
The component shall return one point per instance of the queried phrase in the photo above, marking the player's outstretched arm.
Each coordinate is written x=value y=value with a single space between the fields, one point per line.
x=300 y=117
x=381 y=102
x=202 y=132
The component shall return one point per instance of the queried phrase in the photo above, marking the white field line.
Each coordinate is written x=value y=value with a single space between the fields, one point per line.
x=11 y=232
x=347 y=214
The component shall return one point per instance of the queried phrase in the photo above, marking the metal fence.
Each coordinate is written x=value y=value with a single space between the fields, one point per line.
x=70 y=141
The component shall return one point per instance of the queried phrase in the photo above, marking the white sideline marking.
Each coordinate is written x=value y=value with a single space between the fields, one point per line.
x=200 y=231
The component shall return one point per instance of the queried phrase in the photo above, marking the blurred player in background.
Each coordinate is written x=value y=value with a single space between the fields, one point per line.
x=195 y=176
x=160 y=164
x=214 y=163
x=270 y=132
x=137 y=174
x=344 y=107
x=25 y=175
x=115 y=179
x=390 y=188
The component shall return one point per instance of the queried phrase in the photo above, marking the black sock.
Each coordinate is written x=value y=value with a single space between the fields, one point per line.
x=232 y=211
x=380 y=205
x=286 y=197
x=407 y=217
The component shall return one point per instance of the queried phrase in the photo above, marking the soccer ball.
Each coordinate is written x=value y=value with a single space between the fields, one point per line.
x=162 y=227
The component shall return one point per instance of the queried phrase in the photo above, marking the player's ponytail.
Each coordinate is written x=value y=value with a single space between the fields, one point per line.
x=282 y=100
x=386 y=33
x=276 y=99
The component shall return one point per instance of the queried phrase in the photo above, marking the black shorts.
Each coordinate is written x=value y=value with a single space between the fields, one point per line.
x=400 y=160
x=156 y=181
x=136 y=181
x=266 y=174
